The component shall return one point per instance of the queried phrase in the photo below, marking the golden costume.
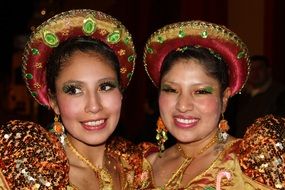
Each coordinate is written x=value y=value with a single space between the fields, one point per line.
x=253 y=163
x=33 y=158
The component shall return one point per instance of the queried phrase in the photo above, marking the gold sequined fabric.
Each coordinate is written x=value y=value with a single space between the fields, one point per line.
x=31 y=157
x=130 y=157
x=262 y=152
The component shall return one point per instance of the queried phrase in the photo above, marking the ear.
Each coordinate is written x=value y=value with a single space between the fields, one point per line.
x=225 y=98
x=53 y=103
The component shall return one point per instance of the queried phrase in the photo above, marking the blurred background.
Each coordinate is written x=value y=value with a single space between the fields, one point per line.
x=260 y=23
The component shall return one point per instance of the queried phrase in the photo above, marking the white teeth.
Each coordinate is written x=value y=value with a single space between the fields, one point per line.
x=186 y=121
x=95 y=123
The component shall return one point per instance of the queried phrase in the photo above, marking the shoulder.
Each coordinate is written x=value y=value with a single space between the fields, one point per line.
x=30 y=155
x=262 y=151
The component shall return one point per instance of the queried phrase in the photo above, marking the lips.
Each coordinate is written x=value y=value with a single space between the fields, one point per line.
x=94 y=124
x=184 y=122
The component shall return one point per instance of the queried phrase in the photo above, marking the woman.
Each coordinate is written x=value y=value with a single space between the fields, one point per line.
x=77 y=63
x=198 y=66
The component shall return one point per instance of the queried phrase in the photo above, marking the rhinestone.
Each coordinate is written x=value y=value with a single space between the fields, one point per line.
x=29 y=76
x=35 y=51
x=240 y=54
x=114 y=37
x=51 y=39
x=89 y=26
x=204 y=34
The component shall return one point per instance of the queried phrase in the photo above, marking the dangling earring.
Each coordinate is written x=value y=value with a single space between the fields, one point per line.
x=223 y=128
x=161 y=135
x=58 y=129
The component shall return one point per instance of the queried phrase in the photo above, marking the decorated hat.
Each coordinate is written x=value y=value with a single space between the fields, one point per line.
x=198 y=33
x=66 y=25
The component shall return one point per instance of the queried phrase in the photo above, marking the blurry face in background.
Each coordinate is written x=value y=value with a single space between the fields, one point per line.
x=88 y=98
x=259 y=74
x=190 y=101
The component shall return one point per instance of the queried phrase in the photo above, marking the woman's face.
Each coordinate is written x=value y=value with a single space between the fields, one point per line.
x=190 y=101
x=88 y=98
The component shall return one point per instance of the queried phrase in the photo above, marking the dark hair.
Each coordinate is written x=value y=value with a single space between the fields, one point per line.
x=214 y=64
x=64 y=51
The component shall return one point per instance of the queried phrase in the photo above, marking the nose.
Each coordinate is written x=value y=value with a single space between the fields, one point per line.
x=93 y=103
x=184 y=103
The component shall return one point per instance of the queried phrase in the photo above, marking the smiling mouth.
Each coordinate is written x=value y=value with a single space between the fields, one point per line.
x=94 y=123
x=186 y=121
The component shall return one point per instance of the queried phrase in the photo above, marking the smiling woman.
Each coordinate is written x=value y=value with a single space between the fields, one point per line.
x=197 y=66
x=77 y=63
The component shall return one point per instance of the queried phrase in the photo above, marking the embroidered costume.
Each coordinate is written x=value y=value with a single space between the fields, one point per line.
x=255 y=162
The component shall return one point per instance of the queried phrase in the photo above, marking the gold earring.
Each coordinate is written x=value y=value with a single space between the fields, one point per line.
x=58 y=129
x=161 y=135
x=223 y=128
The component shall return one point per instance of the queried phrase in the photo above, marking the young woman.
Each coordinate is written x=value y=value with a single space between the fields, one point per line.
x=77 y=63
x=197 y=67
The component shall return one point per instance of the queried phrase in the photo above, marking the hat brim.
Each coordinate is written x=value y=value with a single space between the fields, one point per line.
x=198 y=33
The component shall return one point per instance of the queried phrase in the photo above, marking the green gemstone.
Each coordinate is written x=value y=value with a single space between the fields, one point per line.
x=51 y=39
x=149 y=50
x=35 y=51
x=89 y=26
x=29 y=76
x=34 y=94
x=114 y=37
x=240 y=54
x=160 y=39
x=131 y=58
x=127 y=40
x=181 y=33
x=129 y=75
x=204 y=34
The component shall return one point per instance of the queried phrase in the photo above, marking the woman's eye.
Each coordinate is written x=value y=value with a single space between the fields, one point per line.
x=106 y=86
x=72 y=90
x=207 y=90
x=168 y=89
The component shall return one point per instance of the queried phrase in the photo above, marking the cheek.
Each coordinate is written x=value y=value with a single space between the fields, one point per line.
x=164 y=102
x=112 y=101
x=209 y=105
x=69 y=107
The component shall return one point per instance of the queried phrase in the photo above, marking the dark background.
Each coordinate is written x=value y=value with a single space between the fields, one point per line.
x=141 y=17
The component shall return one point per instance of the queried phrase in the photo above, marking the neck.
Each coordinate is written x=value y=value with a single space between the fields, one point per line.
x=95 y=154
x=197 y=148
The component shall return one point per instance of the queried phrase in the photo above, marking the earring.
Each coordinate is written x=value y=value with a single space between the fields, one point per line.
x=58 y=129
x=161 y=135
x=223 y=128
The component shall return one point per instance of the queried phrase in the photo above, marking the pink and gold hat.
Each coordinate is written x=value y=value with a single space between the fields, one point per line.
x=74 y=23
x=198 y=33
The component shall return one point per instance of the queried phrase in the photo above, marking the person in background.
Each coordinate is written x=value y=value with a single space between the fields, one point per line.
x=77 y=64
x=197 y=66
x=260 y=96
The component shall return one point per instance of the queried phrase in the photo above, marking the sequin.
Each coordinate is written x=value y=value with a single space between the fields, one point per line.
x=149 y=50
x=130 y=75
x=7 y=136
x=241 y=54
x=204 y=34
x=114 y=37
x=131 y=58
x=35 y=51
x=181 y=33
x=279 y=144
x=127 y=40
x=160 y=39
x=29 y=76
